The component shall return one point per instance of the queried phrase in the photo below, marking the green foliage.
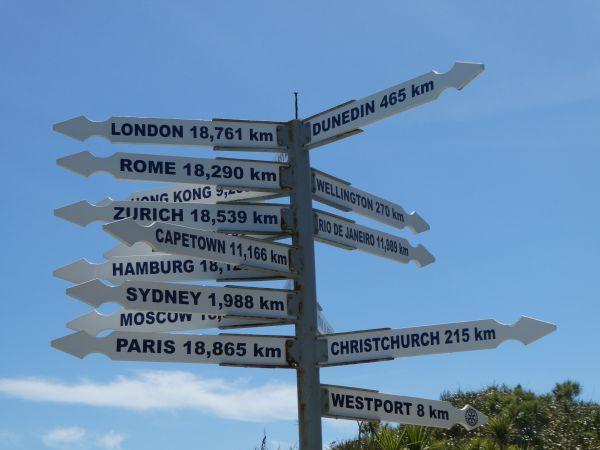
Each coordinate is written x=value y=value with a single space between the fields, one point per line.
x=519 y=419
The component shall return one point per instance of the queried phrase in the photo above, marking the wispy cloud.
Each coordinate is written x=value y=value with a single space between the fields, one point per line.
x=160 y=390
x=65 y=438
x=110 y=441
x=72 y=438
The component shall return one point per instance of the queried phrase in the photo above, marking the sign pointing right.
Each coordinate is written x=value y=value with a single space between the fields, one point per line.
x=394 y=100
x=364 y=404
x=373 y=345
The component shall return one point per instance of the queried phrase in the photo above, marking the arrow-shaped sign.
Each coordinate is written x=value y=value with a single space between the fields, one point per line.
x=147 y=130
x=340 y=194
x=365 y=346
x=399 y=98
x=184 y=241
x=237 y=173
x=198 y=193
x=345 y=233
x=230 y=349
x=120 y=250
x=363 y=404
x=187 y=298
x=248 y=218
x=95 y=323
x=156 y=267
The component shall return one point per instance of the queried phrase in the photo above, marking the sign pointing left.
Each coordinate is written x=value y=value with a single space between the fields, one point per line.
x=149 y=130
x=231 y=349
x=184 y=241
x=159 y=321
x=253 y=175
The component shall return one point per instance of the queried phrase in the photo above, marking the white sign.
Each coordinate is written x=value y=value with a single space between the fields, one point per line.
x=186 y=241
x=187 y=298
x=231 y=349
x=237 y=173
x=363 y=404
x=138 y=249
x=339 y=194
x=364 y=346
x=95 y=323
x=331 y=229
x=198 y=193
x=388 y=102
x=251 y=218
x=156 y=267
x=147 y=130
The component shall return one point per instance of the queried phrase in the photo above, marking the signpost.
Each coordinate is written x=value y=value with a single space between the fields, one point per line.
x=147 y=130
x=232 y=173
x=374 y=345
x=94 y=323
x=157 y=267
x=182 y=232
x=347 y=234
x=184 y=241
x=231 y=349
x=188 y=298
x=363 y=404
x=247 y=218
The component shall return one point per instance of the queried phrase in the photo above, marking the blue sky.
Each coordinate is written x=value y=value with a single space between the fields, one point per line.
x=505 y=172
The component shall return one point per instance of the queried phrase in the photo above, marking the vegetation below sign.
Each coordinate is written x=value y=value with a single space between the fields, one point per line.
x=519 y=419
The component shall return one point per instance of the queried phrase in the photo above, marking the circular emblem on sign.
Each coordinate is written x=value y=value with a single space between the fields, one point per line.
x=471 y=417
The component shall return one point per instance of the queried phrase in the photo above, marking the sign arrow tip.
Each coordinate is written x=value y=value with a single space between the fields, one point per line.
x=77 y=213
x=418 y=224
x=92 y=323
x=126 y=230
x=528 y=329
x=93 y=292
x=82 y=163
x=76 y=272
x=77 y=344
x=422 y=256
x=77 y=128
x=462 y=73
x=473 y=418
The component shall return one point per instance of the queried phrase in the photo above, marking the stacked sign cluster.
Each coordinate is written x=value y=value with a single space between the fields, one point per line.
x=210 y=221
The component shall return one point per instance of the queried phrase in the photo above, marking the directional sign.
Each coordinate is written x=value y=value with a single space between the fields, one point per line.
x=332 y=229
x=156 y=267
x=186 y=241
x=231 y=349
x=388 y=102
x=198 y=193
x=187 y=298
x=365 y=346
x=238 y=173
x=339 y=194
x=146 y=130
x=138 y=249
x=95 y=323
x=362 y=404
x=251 y=218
